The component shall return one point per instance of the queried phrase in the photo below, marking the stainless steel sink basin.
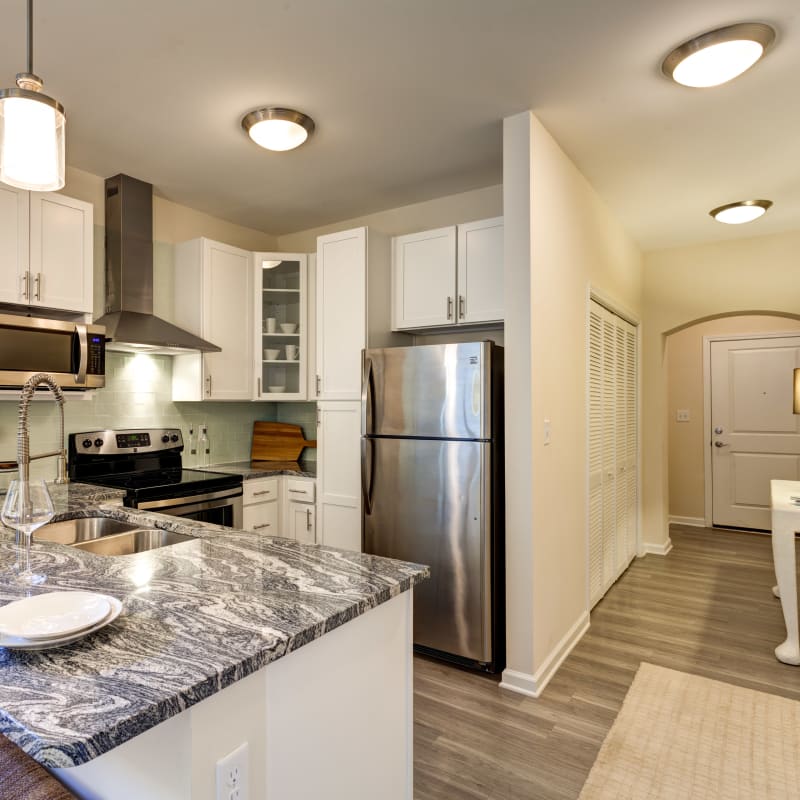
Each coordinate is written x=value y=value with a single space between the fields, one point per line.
x=136 y=541
x=108 y=537
x=74 y=531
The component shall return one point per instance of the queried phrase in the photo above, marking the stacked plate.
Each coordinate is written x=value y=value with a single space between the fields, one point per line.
x=55 y=619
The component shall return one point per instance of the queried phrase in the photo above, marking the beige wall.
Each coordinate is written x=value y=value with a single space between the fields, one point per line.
x=688 y=440
x=572 y=243
x=450 y=210
x=689 y=284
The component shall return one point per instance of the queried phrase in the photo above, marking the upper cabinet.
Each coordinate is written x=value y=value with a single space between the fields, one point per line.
x=449 y=276
x=280 y=319
x=353 y=308
x=213 y=299
x=46 y=250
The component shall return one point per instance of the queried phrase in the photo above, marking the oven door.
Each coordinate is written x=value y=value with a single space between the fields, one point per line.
x=219 y=508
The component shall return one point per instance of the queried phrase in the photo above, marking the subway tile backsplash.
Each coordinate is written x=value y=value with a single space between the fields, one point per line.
x=138 y=393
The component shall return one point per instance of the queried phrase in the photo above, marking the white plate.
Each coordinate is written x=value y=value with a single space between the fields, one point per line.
x=53 y=615
x=19 y=643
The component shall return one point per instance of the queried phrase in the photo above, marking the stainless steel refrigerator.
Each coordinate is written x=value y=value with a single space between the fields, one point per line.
x=432 y=489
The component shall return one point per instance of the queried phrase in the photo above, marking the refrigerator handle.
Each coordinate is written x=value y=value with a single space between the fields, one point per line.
x=366 y=475
x=367 y=390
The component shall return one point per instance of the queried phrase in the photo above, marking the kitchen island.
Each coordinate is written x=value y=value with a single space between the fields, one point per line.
x=301 y=652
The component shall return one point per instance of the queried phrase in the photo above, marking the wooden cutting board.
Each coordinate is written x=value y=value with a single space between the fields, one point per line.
x=278 y=441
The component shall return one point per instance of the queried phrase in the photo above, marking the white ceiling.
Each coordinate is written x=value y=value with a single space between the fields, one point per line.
x=408 y=97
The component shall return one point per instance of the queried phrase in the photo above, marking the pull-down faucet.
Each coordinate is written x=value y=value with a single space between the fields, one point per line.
x=23 y=437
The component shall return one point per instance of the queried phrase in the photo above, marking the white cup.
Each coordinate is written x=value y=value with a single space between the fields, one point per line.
x=291 y=352
x=271 y=324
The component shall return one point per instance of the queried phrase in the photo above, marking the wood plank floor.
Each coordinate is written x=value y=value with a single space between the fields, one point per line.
x=706 y=608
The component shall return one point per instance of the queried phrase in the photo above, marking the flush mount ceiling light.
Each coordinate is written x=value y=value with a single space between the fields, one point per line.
x=267 y=264
x=278 y=128
x=741 y=211
x=32 y=129
x=718 y=56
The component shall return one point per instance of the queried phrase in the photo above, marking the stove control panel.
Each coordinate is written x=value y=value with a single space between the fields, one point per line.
x=129 y=440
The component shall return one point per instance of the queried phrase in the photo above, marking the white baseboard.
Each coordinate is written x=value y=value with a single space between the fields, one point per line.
x=533 y=685
x=656 y=549
x=695 y=522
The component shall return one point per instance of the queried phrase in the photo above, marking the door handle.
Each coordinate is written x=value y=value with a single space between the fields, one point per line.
x=367 y=391
x=720 y=444
x=366 y=475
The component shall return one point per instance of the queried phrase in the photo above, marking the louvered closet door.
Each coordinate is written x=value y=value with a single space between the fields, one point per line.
x=612 y=448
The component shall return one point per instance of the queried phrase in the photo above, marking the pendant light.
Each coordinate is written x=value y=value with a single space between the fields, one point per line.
x=32 y=127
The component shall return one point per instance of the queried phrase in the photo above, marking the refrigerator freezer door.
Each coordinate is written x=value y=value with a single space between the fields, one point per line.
x=439 y=391
x=428 y=504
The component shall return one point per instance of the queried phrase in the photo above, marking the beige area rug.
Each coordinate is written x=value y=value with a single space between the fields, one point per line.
x=681 y=736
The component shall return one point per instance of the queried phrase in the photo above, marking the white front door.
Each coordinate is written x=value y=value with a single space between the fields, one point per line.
x=754 y=436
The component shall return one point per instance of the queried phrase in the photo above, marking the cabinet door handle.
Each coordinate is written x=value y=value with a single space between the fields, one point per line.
x=259 y=527
x=24 y=290
x=449 y=307
x=461 y=306
x=263 y=491
x=259 y=387
x=308 y=519
x=319 y=419
x=208 y=385
x=298 y=491
x=319 y=382
x=37 y=286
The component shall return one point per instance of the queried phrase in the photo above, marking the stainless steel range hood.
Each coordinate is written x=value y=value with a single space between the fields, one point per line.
x=129 y=319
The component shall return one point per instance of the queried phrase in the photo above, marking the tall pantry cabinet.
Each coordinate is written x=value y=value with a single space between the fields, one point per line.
x=613 y=448
x=353 y=312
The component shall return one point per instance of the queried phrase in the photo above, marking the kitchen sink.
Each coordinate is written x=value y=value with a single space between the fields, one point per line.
x=108 y=537
x=136 y=541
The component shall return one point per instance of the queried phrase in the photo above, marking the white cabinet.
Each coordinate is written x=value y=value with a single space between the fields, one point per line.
x=339 y=474
x=353 y=275
x=425 y=278
x=46 y=250
x=280 y=506
x=213 y=291
x=261 y=506
x=281 y=326
x=448 y=276
x=301 y=522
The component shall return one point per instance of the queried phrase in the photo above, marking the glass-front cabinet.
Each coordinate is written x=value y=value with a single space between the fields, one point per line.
x=281 y=322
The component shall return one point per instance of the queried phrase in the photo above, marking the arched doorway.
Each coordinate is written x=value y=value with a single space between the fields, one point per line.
x=688 y=435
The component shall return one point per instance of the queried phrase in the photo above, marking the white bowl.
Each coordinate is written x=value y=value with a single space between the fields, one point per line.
x=276 y=389
x=288 y=327
x=271 y=354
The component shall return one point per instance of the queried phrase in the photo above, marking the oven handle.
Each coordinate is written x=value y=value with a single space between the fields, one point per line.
x=178 y=502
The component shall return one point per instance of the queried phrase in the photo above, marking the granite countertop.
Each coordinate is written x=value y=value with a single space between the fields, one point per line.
x=197 y=617
x=265 y=469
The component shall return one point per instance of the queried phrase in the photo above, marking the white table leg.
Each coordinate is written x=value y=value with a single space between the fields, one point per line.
x=784 y=556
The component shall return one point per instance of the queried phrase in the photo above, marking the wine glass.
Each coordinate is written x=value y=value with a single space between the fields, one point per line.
x=27 y=507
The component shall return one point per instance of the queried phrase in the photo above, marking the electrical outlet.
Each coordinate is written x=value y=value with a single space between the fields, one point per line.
x=682 y=415
x=232 y=783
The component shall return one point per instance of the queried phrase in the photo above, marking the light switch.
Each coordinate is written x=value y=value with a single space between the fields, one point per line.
x=682 y=415
x=547 y=431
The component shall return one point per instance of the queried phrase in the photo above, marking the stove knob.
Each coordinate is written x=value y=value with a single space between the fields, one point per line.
x=174 y=437
x=165 y=438
x=98 y=442
x=87 y=443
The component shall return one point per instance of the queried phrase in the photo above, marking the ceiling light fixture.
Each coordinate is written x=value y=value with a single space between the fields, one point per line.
x=718 y=56
x=741 y=211
x=32 y=127
x=278 y=128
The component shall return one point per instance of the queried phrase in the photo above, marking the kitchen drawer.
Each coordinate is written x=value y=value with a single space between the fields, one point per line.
x=261 y=518
x=259 y=491
x=299 y=491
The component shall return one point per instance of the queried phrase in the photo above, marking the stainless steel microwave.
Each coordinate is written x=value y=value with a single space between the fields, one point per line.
x=72 y=352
